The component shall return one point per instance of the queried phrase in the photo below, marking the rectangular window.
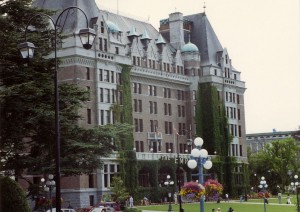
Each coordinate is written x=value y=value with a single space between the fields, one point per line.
x=89 y=116
x=179 y=110
x=87 y=73
x=106 y=95
x=102 y=27
x=117 y=50
x=135 y=105
x=155 y=107
x=240 y=131
x=165 y=92
x=141 y=125
x=140 y=106
x=100 y=44
x=108 y=117
x=239 y=114
x=101 y=94
x=88 y=89
x=105 y=45
x=151 y=107
x=112 y=77
x=139 y=88
x=102 y=117
x=170 y=109
x=137 y=146
x=238 y=98
x=183 y=111
x=100 y=75
x=106 y=75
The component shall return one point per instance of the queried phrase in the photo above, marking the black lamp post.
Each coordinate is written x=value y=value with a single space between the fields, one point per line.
x=179 y=177
x=87 y=37
x=168 y=183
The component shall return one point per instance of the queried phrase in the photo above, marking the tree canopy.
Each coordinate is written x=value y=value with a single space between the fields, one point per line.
x=274 y=162
x=27 y=105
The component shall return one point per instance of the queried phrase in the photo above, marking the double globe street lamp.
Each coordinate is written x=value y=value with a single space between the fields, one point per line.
x=199 y=158
x=50 y=185
x=169 y=183
x=295 y=187
x=263 y=185
x=87 y=37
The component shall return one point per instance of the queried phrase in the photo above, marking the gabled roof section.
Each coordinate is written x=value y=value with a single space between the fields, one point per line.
x=75 y=19
x=205 y=38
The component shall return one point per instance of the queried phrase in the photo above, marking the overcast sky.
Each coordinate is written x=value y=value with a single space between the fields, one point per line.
x=263 y=41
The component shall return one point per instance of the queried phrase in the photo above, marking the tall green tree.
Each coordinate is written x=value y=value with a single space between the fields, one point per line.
x=27 y=104
x=274 y=161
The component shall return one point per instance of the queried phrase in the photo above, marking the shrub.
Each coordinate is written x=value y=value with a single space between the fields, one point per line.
x=132 y=210
x=12 y=196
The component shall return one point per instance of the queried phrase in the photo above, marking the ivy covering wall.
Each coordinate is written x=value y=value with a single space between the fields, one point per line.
x=127 y=160
x=212 y=126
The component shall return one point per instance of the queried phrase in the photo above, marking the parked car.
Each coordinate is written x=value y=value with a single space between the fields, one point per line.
x=114 y=205
x=97 y=209
x=102 y=209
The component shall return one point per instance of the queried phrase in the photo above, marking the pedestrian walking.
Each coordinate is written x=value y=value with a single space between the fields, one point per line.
x=131 y=202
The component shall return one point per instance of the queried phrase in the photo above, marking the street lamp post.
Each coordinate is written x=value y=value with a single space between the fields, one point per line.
x=295 y=186
x=169 y=183
x=50 y=185
x=199 y=158
x=179 y=176
x=87 y=37
x=263 y=185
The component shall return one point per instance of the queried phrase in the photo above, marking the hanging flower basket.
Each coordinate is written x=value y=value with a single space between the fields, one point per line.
x=213 y=189
x=192 y=191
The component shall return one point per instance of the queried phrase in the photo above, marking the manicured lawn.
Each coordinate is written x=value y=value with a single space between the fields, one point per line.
x=249 y=206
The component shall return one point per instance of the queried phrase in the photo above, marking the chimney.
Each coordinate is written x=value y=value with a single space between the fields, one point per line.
x=176 y=30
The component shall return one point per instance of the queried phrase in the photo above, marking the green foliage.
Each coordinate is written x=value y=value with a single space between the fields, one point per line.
x=212 y=127
x=27 y=104
x=12 y=196
x=274 y=162
x=132 y=210
x=211 y=120
x=119 y=191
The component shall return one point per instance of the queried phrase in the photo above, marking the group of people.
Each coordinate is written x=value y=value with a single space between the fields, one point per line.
x=219 y=210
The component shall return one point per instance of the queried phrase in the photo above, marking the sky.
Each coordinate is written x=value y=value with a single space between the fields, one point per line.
x=263 y=42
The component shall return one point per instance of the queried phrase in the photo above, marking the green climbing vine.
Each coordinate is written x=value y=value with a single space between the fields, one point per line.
x=212 y=126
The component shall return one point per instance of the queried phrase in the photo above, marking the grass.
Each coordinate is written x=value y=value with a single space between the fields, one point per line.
x=252 y=205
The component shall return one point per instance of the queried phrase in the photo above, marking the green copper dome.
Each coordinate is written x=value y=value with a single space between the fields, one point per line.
x=189 y=47
x=112 y=27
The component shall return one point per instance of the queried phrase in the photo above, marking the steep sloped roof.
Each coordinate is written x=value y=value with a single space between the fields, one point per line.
x=75 y=18
x=205 y=39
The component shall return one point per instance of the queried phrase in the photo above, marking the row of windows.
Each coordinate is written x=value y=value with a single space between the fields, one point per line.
x=232 y=97
x=152 y=91
x=139 y=61
x=138 y=123
x=138 y=107
x=235 y=130
x=170 y=147
x=107 y=95
x=109 y=76
x=232 y=113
